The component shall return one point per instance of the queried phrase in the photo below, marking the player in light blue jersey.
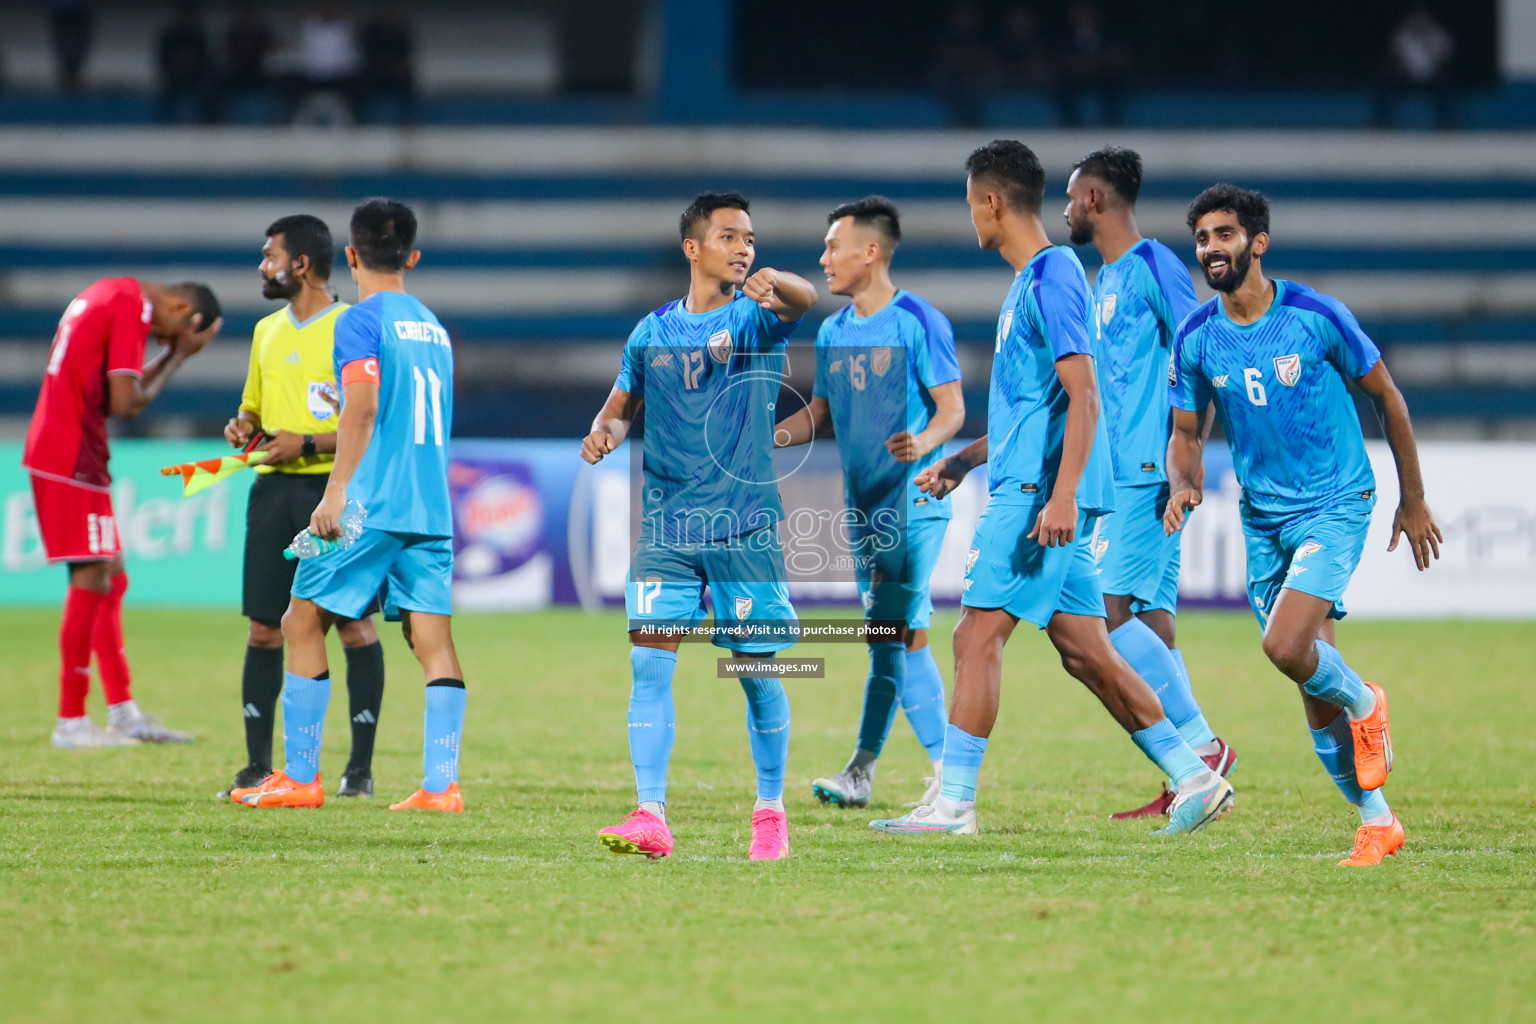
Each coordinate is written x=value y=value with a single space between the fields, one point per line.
x=1277 y=357
x=395 y=365
x=1140 y=295
x=888 y=388
x=707 y=369
x=1050 y=479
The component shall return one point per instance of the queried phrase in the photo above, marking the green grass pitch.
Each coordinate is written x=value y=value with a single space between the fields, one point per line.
x=127 y=893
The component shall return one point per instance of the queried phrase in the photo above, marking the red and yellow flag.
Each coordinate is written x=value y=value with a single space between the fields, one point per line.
x=200 y=475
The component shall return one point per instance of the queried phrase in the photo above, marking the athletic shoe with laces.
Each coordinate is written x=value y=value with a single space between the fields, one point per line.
x=932 y=786
x=1221 y=762
x=1373 y=744
x=79 y=733
x=356 y=782
x=246 y=778
x=1192 y=811
x=848 y=788
x=144 y=728
x=770 y=835
x=1375 y=843
x=927 y=819
x=279 y=790
x=450 y=800
x=642 y=833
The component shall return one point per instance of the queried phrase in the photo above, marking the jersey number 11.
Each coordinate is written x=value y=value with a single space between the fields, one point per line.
x=421 y=406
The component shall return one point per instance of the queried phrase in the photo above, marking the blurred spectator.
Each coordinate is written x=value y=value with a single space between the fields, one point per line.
x=1092 y=63
x=1418 y=62
x=389 y=75
x=965 y=65
x=324 y=88
x=1027 y=60
x=247 y=45
x=186 y=68
x=69 y=29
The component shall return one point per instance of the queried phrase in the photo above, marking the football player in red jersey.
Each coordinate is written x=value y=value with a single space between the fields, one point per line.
x=96 y=369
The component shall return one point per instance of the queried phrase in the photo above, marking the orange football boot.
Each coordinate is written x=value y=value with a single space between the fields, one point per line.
x=449 y=799
x=1373 y=744
x=278 y=790
x=1375 y=843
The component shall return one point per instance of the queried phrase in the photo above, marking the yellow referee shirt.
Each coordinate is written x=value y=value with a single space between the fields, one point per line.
x=290 y=368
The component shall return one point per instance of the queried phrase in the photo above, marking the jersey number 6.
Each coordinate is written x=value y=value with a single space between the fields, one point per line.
x=1255 y=386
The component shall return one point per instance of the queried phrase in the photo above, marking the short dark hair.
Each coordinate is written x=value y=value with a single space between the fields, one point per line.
x=703 y=207
x=383 y=233
x=1013 y=169
x=1251 y=208
x=307 y=236
x=1116 y=166
x=875 y=212
x=204 y=302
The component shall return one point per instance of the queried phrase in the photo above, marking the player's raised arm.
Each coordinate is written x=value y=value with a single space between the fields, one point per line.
x=1413 y=516
x=941 y=478
x=780 y=292
x=1058 y=520
x=187 y=317
x=1186 y=467
x=806 y=424
x=611 y=425
x=948 y=417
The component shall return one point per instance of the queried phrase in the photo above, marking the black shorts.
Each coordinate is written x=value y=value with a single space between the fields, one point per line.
x=279 y=507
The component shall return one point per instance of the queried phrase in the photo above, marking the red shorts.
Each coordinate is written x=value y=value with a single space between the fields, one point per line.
x=76 y=520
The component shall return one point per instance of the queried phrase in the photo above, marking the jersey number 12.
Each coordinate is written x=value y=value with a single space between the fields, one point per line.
x=421 y=406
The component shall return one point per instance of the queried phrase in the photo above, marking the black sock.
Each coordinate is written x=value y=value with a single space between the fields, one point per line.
x=365 y=697
x=260 y=685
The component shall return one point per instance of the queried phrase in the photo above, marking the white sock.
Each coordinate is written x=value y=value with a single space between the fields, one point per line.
x=1198 y=781
x=1363 y=707
x=948 y=808
x=74 y=723
x=656 y=807
x=1384 y=818
x=938 y=768
x=122 y=712
x=863 y=761
x=776 y=804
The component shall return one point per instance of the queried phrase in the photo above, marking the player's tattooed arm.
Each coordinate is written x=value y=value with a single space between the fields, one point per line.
x=1413 y=516
x=808 y=423
x=611 y=425
x=780 y=292
x=944 y=476
x=948 y=417
x=1186 y=468
x=354 y=431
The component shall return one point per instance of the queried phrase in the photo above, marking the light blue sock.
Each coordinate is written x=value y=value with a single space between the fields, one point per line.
x=1196 y=731
x=962 y=763
x=1335 y=747
x=652 y=720
x=441 y=733
x=304 y=704
x=768 y=731
x=886 y=675
x=922 y=700
x=1374 y=809
x=1165 y=748
x=1145 y=652
x=1337 y=683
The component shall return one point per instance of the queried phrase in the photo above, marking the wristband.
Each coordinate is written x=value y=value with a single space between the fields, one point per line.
x=309 y=445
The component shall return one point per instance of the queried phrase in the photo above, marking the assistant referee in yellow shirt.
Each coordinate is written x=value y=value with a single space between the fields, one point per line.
x=289 y=393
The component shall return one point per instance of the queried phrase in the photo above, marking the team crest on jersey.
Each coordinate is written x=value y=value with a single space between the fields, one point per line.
x=721 y=346
x=1288 y=369
x=743 y=604
x=1307 y=550
x=664 y=359
x=1106 y=309
x=880 y=360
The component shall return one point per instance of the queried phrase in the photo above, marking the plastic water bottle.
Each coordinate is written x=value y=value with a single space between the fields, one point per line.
x=307 y=545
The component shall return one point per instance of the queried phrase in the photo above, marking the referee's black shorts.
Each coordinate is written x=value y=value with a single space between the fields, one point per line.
x=279 y=507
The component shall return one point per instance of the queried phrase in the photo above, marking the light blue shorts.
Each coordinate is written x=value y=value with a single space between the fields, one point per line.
x=1005 y=569
x=746 y=581
x=893 y=578
x=1314 y=552
x=417 y=567
x=1136 y=558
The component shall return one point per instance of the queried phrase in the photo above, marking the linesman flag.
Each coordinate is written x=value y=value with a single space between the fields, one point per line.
x=199 y=476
